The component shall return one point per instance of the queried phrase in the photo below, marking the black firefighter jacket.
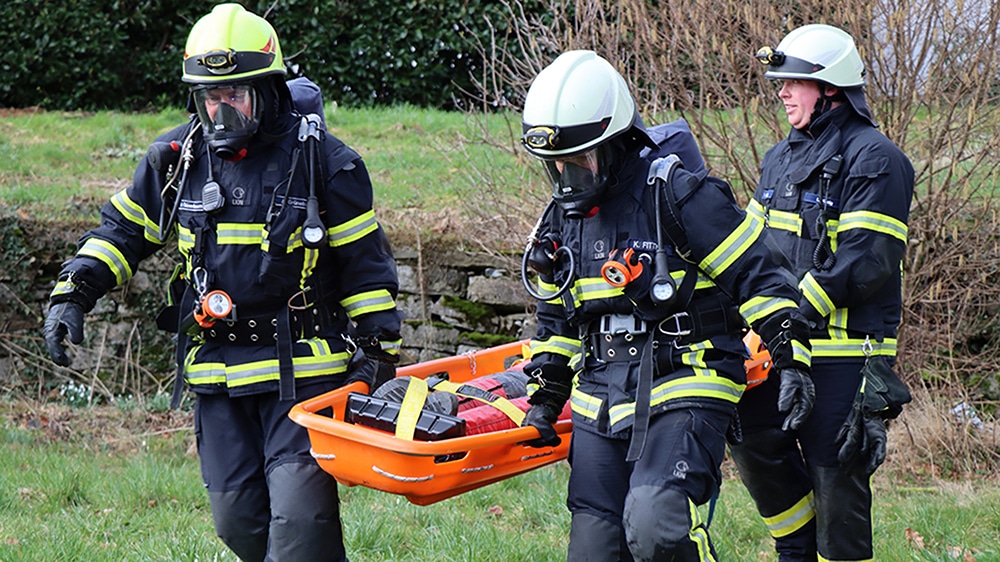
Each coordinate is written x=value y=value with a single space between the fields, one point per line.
x=734 y=266
x=836 y=199
x=252 y=249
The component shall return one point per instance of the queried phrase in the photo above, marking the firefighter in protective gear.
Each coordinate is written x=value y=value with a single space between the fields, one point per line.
x=264 y=316
x=652 y=380
x=835 y=195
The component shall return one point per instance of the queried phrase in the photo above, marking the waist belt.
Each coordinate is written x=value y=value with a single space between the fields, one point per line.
x=266 y=329
x=704 y=318
x=617 y=337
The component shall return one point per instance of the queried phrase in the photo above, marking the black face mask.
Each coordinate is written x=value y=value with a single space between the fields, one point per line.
x=229 y=130
x=581 y=182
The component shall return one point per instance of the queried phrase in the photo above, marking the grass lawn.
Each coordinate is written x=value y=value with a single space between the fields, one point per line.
x=121 y=482
x=116 y=483
x=51 y=162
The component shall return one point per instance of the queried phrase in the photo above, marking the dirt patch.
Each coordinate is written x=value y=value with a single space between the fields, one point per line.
x=105 y=428
x=19 y=111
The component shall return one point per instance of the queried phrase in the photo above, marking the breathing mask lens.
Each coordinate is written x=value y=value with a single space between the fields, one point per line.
x=578 y=181
x=229 y=116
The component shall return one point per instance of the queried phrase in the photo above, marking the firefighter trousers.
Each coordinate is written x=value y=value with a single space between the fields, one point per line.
x=647 y=510
x=270 y=500
x=811 y=505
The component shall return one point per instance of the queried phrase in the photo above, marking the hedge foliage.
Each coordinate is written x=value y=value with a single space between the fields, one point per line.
x=126 y=54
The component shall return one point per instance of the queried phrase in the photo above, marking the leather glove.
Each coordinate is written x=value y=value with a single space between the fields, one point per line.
x=796 y=395
x=862 y=439
x=554 y=380
x=785 y=333
x=64 y=318
x=543 y=418
x=881 y=396
x=365 y=372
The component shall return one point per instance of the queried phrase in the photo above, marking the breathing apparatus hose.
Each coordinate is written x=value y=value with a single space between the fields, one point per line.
x=555 y=256
x=662 y=289
x=313 y=231
x=177 y=184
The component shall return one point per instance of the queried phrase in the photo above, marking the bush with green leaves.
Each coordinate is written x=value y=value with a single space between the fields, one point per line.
x=127 y=55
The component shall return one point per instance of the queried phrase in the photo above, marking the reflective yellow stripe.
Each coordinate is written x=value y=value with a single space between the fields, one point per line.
x=793 y=518
x=261 y=371
x=409 y=410
x=547 y=290
x=107 y=253
x=185 y=240
x=368 y=302
x=352 y=230
x=801 y=353
x=783 y=220
x=63 y=287
x=555 y=344
x=584 y=404
x=814 y=293
x=701 y=386
x=136 y=214
x=851 y=347
x=877 y=222
x=235 y=233
x=699 y=534
x=310 y=259
x=734 y=246
x=761 y=307
x=391 y=347
x=594 y=288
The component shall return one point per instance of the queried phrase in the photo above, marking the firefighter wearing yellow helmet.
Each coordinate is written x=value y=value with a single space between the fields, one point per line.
x=652 y=368
x=286 y=287
x=232 y=54
x=835 y=198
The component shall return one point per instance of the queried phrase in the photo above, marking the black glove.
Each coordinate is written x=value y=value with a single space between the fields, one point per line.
x=64 y=318
x=796 y=394
x=555 y=382
x=365 y=372
x=862 y=439
x=881 y=396
x=543 y=417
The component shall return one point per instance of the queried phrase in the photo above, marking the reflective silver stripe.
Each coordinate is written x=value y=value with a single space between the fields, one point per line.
x=239 y=234
x=353 y=229
x=107 y=253
x=793 y=518
x=368 y=302
x=136 y=214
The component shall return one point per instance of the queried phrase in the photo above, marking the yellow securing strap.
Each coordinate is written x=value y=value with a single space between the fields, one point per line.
x=500 y=403
x=409 y=411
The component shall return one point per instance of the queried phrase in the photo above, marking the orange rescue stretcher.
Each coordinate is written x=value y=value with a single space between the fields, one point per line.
x=426 y=472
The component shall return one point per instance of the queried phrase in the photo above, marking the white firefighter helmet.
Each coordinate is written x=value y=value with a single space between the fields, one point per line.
x=574 y=108
x=816 y=52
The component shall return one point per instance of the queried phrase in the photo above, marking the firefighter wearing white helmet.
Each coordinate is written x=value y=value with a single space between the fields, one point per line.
x=646 y=346
x=264 y=314
x=835 y=196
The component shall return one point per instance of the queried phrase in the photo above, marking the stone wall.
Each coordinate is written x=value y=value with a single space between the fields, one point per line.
x=453 y=301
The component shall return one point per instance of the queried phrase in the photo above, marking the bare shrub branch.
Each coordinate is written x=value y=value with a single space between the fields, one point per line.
x=933 y=87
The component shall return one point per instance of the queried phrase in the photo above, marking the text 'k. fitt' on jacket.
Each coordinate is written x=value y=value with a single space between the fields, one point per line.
x=252 y=248
x=738 y=282
x=842 y=187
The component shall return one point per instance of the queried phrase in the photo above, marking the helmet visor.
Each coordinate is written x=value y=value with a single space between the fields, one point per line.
x=227 y=110
x=578 y=178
